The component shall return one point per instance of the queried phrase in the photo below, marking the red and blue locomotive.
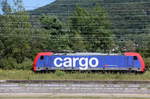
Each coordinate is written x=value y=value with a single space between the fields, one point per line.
x=129 y=61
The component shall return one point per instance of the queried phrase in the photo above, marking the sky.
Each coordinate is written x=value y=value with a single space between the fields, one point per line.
x=33 y=4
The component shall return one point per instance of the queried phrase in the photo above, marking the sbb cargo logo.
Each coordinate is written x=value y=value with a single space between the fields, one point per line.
x=83 y=63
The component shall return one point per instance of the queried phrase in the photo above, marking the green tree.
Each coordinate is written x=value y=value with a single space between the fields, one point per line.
x=13 y=6
x=15 y=30
x=56 y=37
x=94 y=27
x=6 y=8
x=15 y=38
x=77 y=42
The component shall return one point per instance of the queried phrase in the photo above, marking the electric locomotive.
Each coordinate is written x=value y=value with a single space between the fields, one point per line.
x=129 y=61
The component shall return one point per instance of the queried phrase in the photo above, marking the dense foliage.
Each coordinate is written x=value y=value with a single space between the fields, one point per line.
x=93 y=27
x=127 y=16
x=129 y=20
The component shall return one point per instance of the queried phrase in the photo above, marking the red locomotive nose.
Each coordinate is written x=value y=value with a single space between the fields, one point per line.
x=139 y=58
x=38 y=56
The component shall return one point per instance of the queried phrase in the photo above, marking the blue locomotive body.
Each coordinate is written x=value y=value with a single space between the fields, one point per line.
x=88 y=61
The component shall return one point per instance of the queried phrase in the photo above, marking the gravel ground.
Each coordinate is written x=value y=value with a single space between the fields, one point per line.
x=59 y=89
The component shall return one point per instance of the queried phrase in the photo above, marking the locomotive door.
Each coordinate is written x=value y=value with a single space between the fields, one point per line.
x=42 y=62
x=130 y=63
x=136 y=63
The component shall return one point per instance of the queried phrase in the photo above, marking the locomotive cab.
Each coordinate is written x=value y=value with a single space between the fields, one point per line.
x=40 y=61
x=137 y=62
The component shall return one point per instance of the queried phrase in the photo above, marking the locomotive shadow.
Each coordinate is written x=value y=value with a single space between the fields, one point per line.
x=90 y=71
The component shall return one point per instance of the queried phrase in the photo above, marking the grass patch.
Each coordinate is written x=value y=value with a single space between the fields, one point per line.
x=60 y=75
x=147 y=62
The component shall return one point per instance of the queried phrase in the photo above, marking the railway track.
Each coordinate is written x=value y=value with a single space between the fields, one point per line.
x=76 y=81
x=75 y=87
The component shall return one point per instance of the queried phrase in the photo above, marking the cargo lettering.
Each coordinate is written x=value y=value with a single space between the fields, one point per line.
x=83 y=63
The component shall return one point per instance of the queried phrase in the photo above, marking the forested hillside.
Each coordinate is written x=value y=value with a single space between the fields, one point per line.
x=128 y=19
x=127 y=16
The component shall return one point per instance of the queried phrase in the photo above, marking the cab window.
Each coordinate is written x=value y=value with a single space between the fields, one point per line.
x=135 y=58
x=42 y=57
